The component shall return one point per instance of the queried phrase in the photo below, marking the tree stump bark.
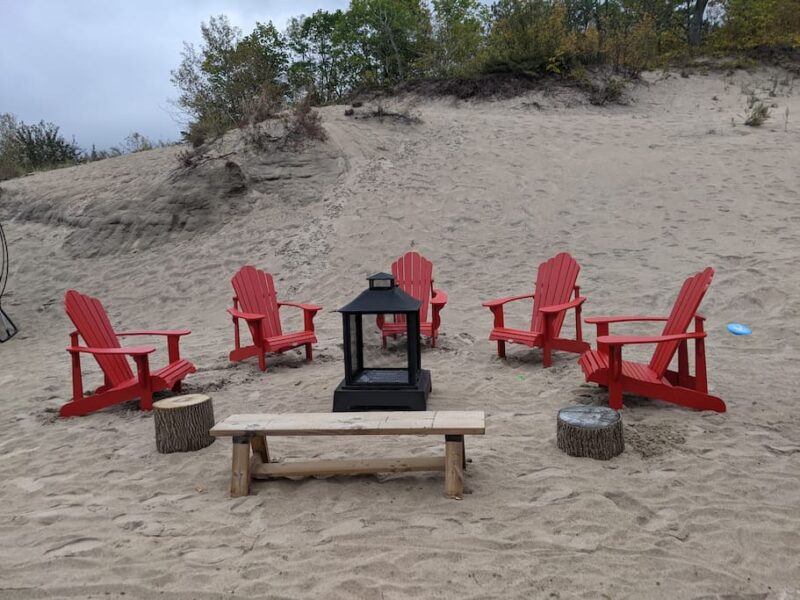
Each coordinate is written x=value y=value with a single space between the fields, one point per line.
x=182 y=423
x=594 y=431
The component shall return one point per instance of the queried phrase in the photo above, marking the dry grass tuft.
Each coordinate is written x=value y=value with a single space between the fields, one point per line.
x=757 y=115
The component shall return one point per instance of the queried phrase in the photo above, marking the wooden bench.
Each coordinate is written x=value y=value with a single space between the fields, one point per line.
x=251 y=431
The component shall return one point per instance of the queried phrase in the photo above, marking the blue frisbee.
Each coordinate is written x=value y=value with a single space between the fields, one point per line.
x=739 y=329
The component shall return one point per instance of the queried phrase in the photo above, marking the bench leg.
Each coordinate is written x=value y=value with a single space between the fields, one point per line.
x=240 y=477
x=259 y=445
x=454 y=466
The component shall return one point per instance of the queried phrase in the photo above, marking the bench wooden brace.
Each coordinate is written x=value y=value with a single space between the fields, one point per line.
x=246 y=466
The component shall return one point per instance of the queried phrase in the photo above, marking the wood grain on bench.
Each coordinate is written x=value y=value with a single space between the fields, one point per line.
x=435 y=422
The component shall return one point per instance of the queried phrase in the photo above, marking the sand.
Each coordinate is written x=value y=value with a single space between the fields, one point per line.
x=700 y=505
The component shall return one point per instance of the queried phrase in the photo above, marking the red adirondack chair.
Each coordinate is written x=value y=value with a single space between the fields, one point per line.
x=413 y=273
x=92 y=325
x=654 y=380
x=256 y=302
x=552 y=298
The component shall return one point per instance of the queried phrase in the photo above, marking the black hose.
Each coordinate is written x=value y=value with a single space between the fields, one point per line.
x=4 y=262
x=7 y=327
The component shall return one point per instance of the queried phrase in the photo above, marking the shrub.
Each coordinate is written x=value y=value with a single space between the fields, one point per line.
x=207 y=129
x=136 y=142
x=529 y=37
x=31 y=147
x=609 y=91
x=633 y=50
x=757 y=115
x=758 y=24
x=306 y=124
x=267 y=104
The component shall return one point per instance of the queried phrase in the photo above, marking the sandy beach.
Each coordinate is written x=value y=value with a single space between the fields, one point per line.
x=700 y=505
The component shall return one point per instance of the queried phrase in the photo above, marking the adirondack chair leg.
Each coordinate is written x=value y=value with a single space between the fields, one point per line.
x=433 y=341
x=77 y=380
x=547 y=356
x=146 y=392
x=177 y=387
x=501 y=349
x=614 y=374
x=258 y=339
x=309 y=354
x=173 y=348
x=236 y=340
x=383 y=342
x=701 y=377
x=615 y=395
x=602 y=329
x=683 y=364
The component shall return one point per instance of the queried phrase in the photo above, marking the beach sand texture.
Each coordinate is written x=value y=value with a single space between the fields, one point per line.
x=700 y=505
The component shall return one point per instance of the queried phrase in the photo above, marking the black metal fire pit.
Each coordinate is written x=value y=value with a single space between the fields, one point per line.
x=382 y=380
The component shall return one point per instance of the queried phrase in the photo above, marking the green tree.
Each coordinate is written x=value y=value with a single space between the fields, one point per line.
x=392 y=35
x=322 y=60
x=458 y=30
x=528 y=37
x=26 y=147
x=760 y=23
x=219 y=81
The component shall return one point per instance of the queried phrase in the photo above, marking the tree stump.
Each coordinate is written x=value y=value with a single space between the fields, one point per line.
x=182 y=423
x=594 y=431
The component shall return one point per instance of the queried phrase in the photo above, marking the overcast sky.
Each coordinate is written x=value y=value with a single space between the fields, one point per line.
x=99 y=69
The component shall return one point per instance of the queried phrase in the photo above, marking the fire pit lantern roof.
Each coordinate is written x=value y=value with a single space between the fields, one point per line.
x=383 y=296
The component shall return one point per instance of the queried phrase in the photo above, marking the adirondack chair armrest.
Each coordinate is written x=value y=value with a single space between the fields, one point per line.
x=238 y=314
x=309 y=311
x=131 y=351
x=165 y=332
x=173 y=339
x=439 y=297
x=557 y=308
x=606 y=320
x=305 y=307
x=624 y=340
x=492 y=304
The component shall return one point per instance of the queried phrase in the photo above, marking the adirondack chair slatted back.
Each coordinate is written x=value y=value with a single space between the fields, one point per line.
x=413 y=273
x=683 y=311
x=91 y=322
x=555 y=282
x=256 y=294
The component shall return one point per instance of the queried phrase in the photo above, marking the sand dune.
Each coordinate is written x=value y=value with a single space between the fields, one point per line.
x=700 y=505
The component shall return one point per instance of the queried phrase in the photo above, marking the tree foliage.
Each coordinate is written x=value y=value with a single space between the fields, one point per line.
x=759 y=23
x=218 y=80
x=330 y=54
x=25 y=147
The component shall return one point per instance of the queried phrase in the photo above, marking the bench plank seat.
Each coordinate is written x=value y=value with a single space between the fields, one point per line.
x=436 y=422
